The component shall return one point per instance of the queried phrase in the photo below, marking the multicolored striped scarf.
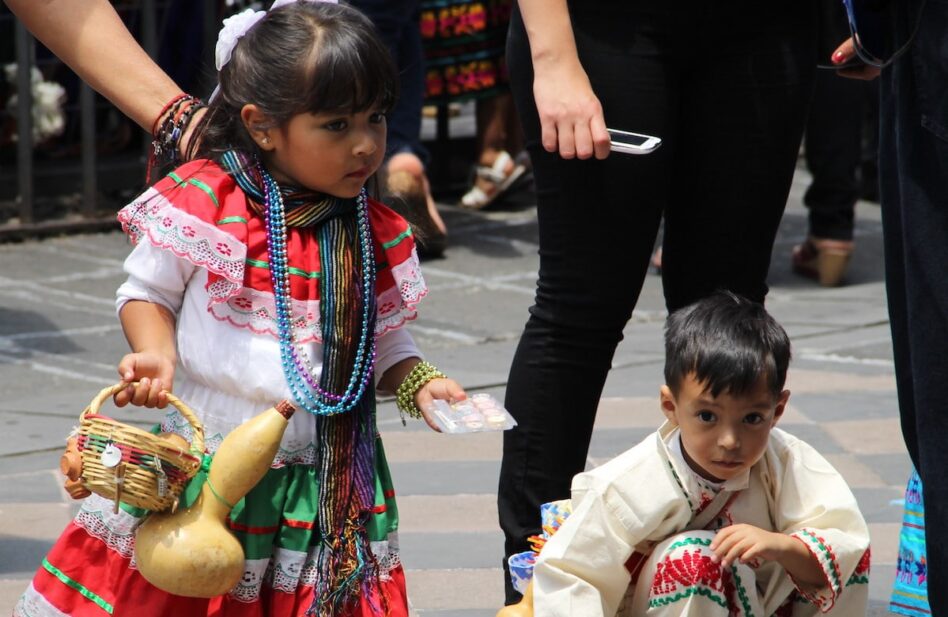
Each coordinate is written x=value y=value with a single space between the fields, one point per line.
x=345 y=441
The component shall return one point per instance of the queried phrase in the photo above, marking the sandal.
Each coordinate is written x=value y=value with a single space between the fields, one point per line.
x=822 y=259
x=494 y=180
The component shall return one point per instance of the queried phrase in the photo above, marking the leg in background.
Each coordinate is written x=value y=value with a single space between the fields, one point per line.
x=913 y=149
x=596 y=236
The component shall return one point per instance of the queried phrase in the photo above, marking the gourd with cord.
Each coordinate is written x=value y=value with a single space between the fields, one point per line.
x=191 y=552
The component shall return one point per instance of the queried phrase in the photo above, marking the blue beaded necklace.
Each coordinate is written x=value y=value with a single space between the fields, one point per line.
x=306 y=390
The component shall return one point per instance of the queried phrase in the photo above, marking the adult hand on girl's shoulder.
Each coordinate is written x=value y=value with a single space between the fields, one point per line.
x=154 y=374
x=441 y=388
x=571 y=119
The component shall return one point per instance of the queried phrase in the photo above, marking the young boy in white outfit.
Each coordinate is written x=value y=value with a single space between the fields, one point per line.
x=718 y=512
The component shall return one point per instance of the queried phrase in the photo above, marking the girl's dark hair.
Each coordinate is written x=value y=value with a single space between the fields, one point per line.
x=304 y=57
x=728 y=343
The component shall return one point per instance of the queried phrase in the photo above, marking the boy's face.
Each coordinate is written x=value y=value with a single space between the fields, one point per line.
x=724 y=435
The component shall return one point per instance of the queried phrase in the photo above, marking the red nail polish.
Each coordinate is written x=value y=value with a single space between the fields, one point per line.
x=837 y=57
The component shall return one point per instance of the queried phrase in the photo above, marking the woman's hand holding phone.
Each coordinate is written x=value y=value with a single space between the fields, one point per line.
x=571 y=119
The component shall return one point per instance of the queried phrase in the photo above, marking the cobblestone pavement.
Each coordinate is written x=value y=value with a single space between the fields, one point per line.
x=60 y=341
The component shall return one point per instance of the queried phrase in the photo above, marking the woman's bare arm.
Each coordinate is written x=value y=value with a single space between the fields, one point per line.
x=89 y=36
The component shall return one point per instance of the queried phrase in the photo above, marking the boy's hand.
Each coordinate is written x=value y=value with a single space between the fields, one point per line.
x=155 y=376
x=440 y=388
x=748 y=544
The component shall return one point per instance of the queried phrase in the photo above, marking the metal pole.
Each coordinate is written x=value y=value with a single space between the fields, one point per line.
x=87 y=120
x=212 y=25
x=24 y=121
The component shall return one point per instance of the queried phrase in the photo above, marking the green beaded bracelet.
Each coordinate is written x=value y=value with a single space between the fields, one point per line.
x=422 y=373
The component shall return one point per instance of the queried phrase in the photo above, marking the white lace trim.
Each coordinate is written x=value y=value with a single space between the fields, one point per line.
x=33 y=604
x=117 y=531
x=256 y=310
x=153 y=216
x=289 y=570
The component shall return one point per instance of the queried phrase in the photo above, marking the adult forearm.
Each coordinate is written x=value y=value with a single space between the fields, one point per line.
x=89 y=36
x=549 y=30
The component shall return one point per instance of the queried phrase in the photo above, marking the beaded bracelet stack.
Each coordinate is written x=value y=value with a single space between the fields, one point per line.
x=422 y=373
x=169 y=127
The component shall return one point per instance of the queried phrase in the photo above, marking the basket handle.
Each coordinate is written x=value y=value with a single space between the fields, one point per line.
x=197 y=429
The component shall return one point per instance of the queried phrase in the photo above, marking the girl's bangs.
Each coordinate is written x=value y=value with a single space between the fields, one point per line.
x=350 y=75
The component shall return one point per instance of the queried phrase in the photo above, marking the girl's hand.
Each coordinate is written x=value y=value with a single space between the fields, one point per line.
x=154 y=374
x=748 y=544
x=441 y=388
x=846 y=52
x=571 y=119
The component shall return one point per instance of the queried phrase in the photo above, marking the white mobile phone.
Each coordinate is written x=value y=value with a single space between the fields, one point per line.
x=632 y=143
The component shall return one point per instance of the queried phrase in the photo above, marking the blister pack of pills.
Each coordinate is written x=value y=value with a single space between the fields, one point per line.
x=480 y=412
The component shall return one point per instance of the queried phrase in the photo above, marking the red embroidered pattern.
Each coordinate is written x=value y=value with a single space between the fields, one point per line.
x=693 y=572
x=861 y=574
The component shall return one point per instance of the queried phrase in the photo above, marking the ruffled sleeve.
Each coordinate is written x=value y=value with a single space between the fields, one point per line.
x=194 y=213
x=199 y=214
x=400 y=283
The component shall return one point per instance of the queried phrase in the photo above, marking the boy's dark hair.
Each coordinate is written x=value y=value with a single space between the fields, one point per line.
x=728 y=343
x=304 y=57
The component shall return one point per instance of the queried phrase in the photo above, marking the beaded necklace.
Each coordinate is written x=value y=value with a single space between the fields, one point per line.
x=297 y=369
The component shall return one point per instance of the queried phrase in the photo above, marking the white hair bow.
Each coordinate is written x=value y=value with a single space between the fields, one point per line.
x=238 y=25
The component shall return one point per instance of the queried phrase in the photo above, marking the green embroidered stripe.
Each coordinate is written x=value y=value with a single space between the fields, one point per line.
x=741 y=592
x=689 y=542
x=828 y=556
x=397 y=239
x=231 y=219
x=256 y=263
x=197 y=183
x=304 y=273
x=701 y=591
x=82 y=589
x=858 y=580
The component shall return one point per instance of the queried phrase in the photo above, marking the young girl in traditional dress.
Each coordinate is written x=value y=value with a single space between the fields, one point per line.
x=263 y=272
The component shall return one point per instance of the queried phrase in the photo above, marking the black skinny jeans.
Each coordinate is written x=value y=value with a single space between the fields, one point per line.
x=726 y=86
x=913 y=162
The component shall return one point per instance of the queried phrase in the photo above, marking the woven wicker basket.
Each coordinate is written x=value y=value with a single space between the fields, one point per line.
x=151 y=472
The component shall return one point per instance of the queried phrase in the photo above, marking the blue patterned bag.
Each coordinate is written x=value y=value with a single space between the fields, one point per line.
x=910 y=590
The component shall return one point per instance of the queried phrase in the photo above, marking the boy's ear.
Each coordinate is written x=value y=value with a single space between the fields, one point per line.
x=257 y=125
x=781 y=405
x=669 y=406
